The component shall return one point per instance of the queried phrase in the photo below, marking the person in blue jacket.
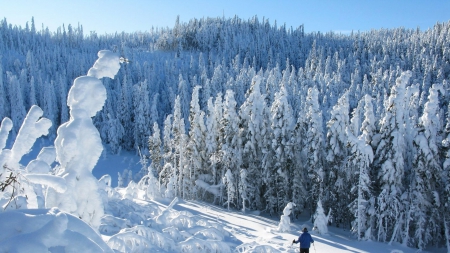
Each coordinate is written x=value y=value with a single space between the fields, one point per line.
x=305 y=241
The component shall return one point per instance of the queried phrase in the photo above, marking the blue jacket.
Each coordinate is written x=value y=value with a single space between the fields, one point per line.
x=305 y=240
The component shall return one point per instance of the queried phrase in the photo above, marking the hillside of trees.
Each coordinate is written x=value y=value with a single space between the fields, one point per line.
x=250 y=115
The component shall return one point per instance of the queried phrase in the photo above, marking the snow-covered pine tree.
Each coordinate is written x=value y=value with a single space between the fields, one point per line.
x=426 y=173
x=166 y=173
x=300 y=178
x=368 y=128
x=320 y=220
x=179 y=159
x=16 y=103
x=184 y=92
x=124 y=110
x=243 y=187
x=412 y=97
x=154 y=148
x=253 y=117
x=314 y=149
x=358 y=166
x=389 y=161
x=195 y=148
x=229 y=181
x=213 y=141
x=115 y=133
x=282 y=125
x=141 y=111
x=445 y=189
x=337 y=191
x=231 y=145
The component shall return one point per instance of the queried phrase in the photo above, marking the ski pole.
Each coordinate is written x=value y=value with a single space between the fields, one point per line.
x=314 y=247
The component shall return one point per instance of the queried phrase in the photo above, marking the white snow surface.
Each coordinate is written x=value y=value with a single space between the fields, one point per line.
x=167 y=225
x=47 y=230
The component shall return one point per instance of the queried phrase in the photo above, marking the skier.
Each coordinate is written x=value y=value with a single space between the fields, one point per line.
x=305 y=241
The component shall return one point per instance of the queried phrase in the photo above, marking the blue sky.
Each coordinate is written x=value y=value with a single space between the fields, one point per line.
x=108 y=16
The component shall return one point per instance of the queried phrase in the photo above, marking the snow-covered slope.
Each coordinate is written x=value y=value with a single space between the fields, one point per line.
x=252 y=233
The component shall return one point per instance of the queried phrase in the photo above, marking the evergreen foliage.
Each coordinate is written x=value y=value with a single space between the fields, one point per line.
x=282 y=132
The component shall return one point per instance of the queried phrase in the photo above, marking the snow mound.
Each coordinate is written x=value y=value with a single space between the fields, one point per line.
x=146 y=226
x=44 y=230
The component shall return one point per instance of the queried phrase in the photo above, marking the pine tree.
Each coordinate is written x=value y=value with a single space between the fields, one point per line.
x=390 y=164
x=229 y=181
x=214 y=138
x=195 y=149
x=17 y=106
x=115 y=133
x=320 y=220
x=167 y=171
x=231 y=145
x=141 y=109
x=282 y=124
x=358 y=166
x=425 y=183
x=337 y=153
x=179 y=159
x=314 y=149
x=154 y=148
x=124 y=112
x=253 y=116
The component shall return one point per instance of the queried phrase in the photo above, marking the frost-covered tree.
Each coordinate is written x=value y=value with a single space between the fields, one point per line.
x=254 y=137
x=141 y=111
x=16 y=102
x=320 y=220
x=115 y=133
x=314 y=149
x=154 y=148
x=358 y=165
x=124 y=111
x=229 y=181
x=243 y=188
x=337 y=195
x=368 y=128
x=425 y=176
x=231 y=145
x=195 y=148
x=282 y=172
x=214 y=138
x=179 y=159
x=390 y=164
x=166 y=173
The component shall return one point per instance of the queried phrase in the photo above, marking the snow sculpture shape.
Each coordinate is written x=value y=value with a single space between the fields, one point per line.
x=285 y=221
x=78 y=144
x=33 y=127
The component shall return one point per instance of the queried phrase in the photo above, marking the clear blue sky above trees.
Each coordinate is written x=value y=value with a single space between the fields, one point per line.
x=141 y=15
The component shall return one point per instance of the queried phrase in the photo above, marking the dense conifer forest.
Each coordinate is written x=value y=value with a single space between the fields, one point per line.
x=252 y=115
